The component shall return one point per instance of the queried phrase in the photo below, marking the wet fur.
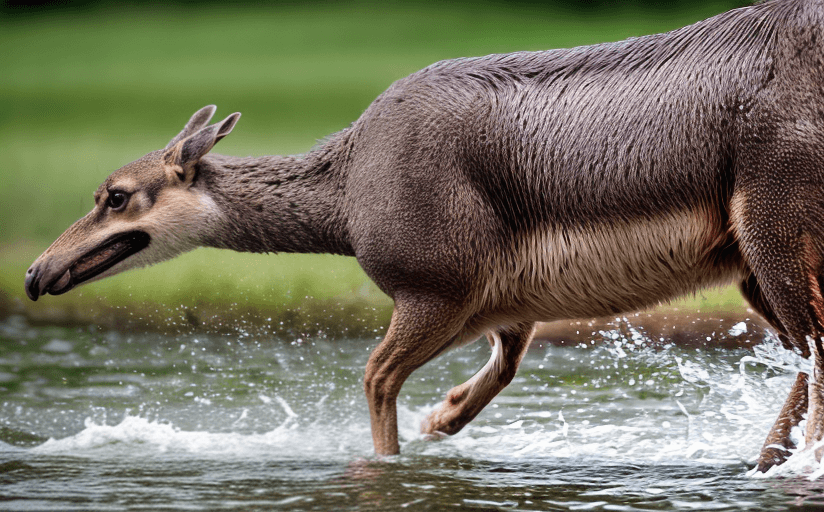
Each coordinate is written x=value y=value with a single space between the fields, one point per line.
x=484 y=194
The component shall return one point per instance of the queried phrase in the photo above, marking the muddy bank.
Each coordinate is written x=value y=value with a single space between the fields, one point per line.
x=736 y=327
x=727 y=328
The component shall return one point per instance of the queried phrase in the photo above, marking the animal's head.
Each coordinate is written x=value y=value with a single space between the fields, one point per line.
x=145 y=212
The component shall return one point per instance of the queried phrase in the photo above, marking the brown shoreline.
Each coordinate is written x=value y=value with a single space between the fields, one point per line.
x=660 y=326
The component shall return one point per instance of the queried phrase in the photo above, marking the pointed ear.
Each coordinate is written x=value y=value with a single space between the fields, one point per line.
x=182 y=157
x=196 y=122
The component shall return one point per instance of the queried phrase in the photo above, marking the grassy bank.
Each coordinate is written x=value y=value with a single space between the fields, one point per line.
x=82 y=93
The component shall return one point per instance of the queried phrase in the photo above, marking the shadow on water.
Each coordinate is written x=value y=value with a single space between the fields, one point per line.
x=618 y=419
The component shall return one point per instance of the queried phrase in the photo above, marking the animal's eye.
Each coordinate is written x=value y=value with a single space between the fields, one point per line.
x=117 y=200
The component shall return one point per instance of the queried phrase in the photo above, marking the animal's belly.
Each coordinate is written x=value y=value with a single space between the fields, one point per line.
x=609 y=268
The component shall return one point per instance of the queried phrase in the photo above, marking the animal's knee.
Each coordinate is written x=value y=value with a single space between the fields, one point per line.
x=371 y=381
x=456 y=395
x=378 y=384
x=506 y=374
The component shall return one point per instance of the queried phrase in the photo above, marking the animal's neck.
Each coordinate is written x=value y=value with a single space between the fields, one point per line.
x=277 y=203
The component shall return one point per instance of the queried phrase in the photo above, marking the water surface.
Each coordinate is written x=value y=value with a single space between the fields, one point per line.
x=117 y=421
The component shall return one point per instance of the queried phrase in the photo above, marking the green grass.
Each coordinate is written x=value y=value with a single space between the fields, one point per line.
x=83 y=93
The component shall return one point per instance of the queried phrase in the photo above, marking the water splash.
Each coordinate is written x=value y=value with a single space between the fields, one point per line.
x=635 y=402
x=140 y=437
x=621 y=421
x=622 y=396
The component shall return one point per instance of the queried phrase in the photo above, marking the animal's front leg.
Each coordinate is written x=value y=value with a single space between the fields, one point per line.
x=464 y=402
x=421 y=328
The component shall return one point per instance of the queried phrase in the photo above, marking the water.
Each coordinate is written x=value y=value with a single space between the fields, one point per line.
x=117 y=421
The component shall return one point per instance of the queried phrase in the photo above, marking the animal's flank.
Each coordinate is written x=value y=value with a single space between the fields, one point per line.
x=602 y=269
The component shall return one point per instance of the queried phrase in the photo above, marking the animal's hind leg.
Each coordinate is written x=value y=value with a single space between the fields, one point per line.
x=778 y=444
x=795 y=296
x=775 y=223
x=751 y=291
x=464 y=402
x=777 y=447
x=421 y=328
x=794 y=293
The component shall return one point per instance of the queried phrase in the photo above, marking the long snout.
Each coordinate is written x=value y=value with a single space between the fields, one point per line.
x=33 y=283
x=50 y=271
x=79 y=255
x=48 y=276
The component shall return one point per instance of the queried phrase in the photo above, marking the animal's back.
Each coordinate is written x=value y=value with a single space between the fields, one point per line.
x=568 y=182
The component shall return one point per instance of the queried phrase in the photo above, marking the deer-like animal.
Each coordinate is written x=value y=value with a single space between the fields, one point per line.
x=486 y=194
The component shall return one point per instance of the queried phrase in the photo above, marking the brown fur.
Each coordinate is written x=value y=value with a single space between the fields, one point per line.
x=486 y=194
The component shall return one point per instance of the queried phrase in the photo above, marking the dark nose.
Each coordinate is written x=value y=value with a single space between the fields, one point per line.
x=32 y=286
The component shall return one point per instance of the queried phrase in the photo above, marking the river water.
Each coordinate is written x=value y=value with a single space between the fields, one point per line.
x=94 y=420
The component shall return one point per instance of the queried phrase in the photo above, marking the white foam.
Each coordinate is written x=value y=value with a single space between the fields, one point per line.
x=707 y=408
x=139 y=436
x=720 y=415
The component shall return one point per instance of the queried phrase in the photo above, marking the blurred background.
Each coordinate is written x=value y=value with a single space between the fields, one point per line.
x=86 y=87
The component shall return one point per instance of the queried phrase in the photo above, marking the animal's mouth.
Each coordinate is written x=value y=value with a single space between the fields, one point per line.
x=95 y=262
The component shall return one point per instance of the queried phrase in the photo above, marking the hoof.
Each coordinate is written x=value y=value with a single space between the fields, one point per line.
x=434 y=436
x=431 y=428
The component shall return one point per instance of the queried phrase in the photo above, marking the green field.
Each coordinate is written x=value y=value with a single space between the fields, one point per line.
x=83 y=92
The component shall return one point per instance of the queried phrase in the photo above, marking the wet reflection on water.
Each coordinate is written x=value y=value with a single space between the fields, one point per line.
x=616 y=420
